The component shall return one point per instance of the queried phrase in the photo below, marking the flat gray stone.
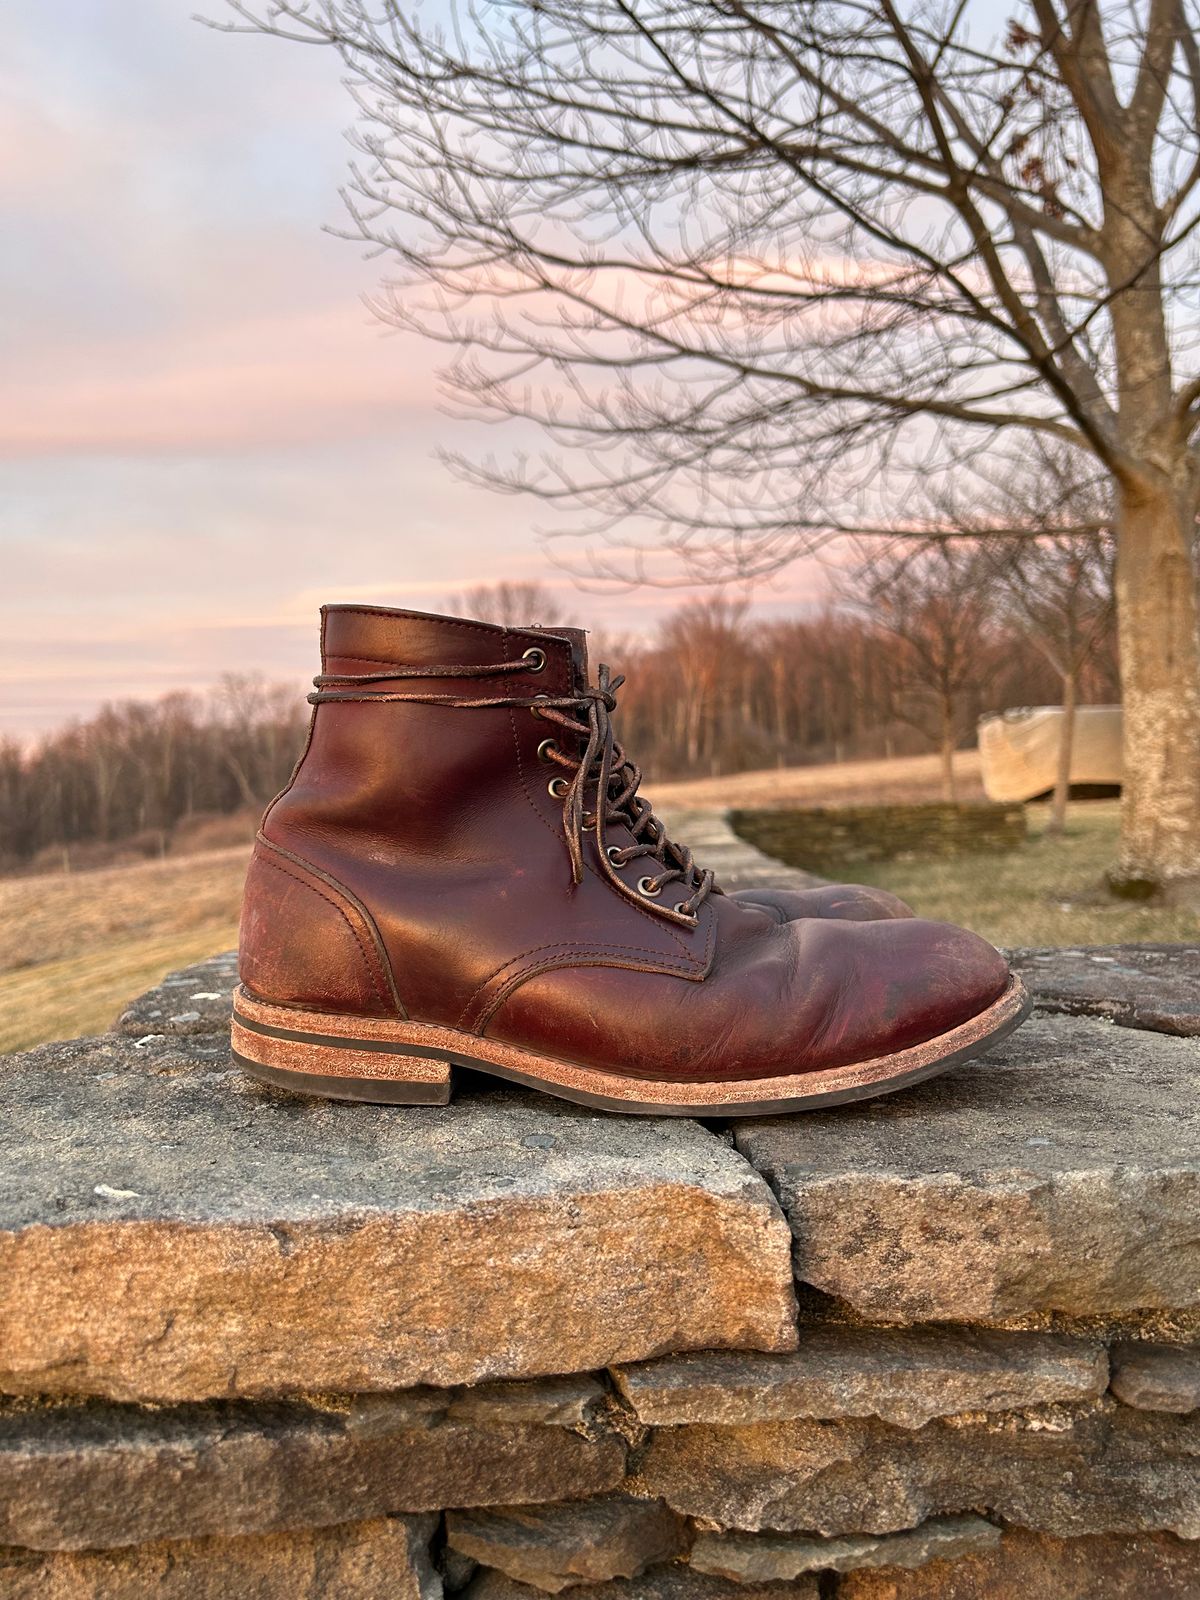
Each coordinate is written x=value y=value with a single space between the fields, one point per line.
x=900 y=1376
x=1157 y=1377
x=760 y=1557
x=557 y=1547
x=171 y=1231
x=1060 y=1173
x=1065 y=1470
x=661 y=1583
x=381 y=1560
x=99 y=1475
x=1153 y=986
x=195 y=1000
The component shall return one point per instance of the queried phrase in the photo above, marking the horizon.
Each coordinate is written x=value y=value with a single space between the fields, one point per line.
x=206 y=433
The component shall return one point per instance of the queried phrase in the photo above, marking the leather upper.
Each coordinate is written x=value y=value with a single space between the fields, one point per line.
x=439 y=888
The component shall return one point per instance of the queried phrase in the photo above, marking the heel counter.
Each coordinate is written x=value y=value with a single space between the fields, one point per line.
x=305 y=940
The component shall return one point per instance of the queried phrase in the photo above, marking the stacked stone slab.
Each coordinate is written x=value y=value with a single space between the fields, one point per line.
x=939 y=1347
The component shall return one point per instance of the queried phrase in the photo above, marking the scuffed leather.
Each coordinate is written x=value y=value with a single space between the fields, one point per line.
x=437 y=822
x=799 y=996
x=303 y=941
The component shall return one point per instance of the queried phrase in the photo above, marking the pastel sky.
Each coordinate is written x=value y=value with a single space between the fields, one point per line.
x=203 y=434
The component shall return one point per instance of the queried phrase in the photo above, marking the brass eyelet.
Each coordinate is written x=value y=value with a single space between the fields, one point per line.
x=535 y=657
x=557 y=788
x=649 y=888
x=533 y=710
x=545 y=748
x=612 y=851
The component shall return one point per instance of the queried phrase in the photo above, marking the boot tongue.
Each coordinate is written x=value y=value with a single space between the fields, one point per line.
x=577 y=639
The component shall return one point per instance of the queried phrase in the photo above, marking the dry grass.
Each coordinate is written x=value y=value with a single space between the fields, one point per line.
x=75 y=948
x=850 y=783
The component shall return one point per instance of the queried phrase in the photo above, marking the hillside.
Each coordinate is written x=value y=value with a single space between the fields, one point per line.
x=74 y=947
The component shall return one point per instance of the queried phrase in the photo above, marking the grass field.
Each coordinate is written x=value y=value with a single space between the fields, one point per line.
x=74 y=949
x=1047 y=892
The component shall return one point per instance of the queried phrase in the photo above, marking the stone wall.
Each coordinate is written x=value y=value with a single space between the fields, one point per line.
x=944 y=1346
x=830 y=841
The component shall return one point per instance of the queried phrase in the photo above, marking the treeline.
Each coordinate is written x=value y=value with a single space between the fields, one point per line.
x=719 y=689
x=135 y=772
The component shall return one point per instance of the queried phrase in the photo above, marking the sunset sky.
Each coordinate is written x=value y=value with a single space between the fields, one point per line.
x=203 y=434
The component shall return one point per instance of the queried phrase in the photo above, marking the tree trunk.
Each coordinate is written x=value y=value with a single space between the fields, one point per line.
x=949 y=791
x=1160 y=688
x=1066 y=745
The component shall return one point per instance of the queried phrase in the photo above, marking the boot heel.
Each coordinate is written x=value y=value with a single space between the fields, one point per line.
x=338 y=1057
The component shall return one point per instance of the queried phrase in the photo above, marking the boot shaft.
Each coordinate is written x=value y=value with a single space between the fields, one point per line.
x=376 y=769
x=433 y=838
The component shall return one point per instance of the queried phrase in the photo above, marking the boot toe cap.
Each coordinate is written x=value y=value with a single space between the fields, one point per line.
x=882 y=987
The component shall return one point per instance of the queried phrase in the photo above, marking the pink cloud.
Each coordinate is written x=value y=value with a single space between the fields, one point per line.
x=264 y=381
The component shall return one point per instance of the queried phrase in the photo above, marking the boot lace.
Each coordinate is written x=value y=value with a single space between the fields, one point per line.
x=586 y=719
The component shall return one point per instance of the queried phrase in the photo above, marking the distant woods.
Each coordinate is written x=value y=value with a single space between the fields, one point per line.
x=137 y=771
x=914 y=651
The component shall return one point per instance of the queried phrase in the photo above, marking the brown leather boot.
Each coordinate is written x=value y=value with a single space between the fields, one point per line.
x=462 y=872
x=848 y=902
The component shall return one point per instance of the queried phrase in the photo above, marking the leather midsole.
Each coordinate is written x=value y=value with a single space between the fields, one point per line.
x=330 y=1045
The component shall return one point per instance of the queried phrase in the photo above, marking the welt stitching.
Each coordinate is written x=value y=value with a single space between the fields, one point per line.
x=296 y=878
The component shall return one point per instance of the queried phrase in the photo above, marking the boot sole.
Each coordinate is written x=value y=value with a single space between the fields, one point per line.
x=412 y=1063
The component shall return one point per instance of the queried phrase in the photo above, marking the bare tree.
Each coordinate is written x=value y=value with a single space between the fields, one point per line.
x=1057 y=588
x=935 y=601
x=512 y=604
x=764 y=270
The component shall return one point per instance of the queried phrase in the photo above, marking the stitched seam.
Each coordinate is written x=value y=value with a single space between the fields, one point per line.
x=515 y=982
x=491 y=628
x=564 y=947
x=344 y=897
x=304 y=883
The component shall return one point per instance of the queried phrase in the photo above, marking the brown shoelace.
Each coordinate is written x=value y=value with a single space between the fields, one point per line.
x=587 y=715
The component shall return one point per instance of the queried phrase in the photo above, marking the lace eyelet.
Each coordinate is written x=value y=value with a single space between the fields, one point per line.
x=612 y=851
x=533 y=710
x=557 y=788
x=649 y=888
x=535 y=657
x=546 y=748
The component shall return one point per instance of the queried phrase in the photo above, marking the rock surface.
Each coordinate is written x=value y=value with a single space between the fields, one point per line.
x=382 y=1560
x=1066 y=1470
x=570 y=1402
x=556 y=1546
x=1157 y=1377
x=663 y=1583
x=171 y=1231
x=1059 y=1173
x=1027 y=1566
x=902 y=1376
x=102 y=1475
x=195 y=1000
x=1154 y=986
x=759 y=1558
